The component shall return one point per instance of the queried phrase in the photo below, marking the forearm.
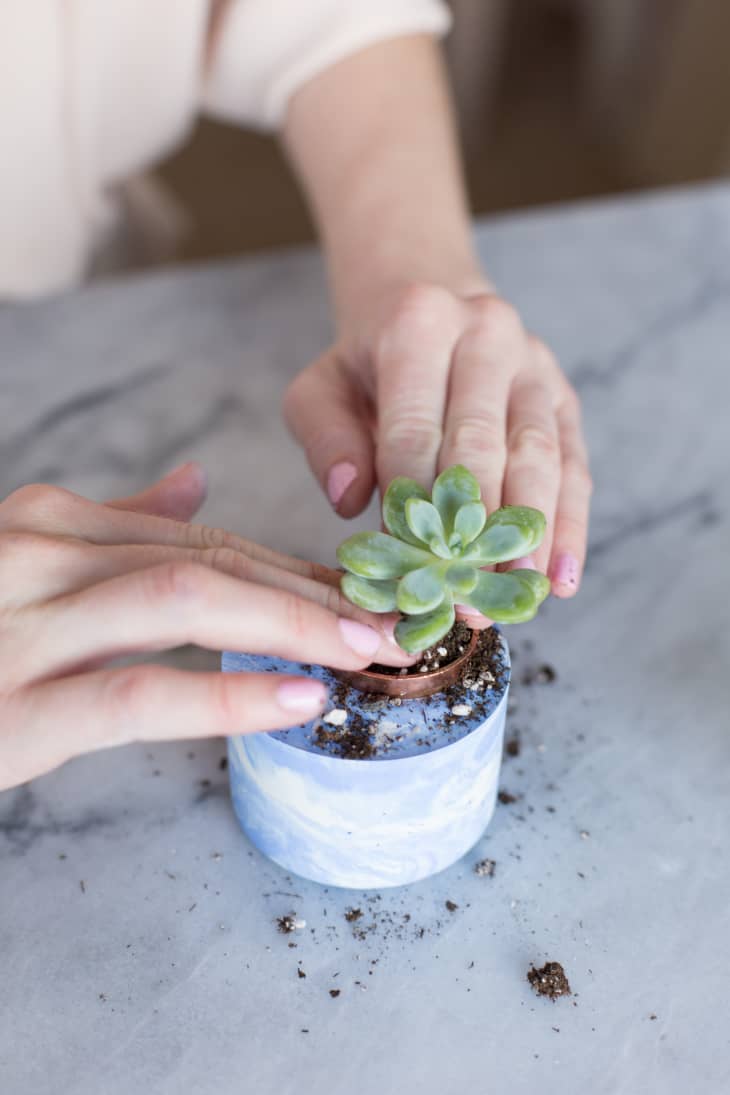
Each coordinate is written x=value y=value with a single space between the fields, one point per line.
x=373 y=142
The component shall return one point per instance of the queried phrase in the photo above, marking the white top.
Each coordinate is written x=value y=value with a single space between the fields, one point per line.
x=93 y=92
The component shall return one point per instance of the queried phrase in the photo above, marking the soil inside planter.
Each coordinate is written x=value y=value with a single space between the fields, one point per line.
x=471 y=696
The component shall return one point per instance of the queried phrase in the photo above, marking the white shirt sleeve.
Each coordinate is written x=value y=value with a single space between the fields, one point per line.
x=268 y=48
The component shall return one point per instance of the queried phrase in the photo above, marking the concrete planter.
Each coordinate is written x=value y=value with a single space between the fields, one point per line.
x=409 y=811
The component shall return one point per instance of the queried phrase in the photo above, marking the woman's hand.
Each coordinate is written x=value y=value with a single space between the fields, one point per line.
x=436 y=379
x=83 y=583
x=430 y=367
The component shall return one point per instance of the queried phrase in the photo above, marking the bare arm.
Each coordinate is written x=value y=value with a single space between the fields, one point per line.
x=430 y=367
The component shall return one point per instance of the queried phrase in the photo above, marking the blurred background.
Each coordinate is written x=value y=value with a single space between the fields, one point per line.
x=557 y=100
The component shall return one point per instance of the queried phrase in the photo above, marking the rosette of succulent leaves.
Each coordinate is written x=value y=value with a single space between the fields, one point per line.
x=431 y=558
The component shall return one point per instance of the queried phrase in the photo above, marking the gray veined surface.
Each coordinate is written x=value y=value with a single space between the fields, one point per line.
x=165 y=972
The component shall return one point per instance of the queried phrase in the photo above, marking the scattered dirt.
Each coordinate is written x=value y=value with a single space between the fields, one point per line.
x=485 y=868
x=549 y=980
x=351 y=915
x=507 y=798
x=334 y=993
x=300 y=973
x=451 y=906
x=513 y=746
x=542 y=674
x=289 y=923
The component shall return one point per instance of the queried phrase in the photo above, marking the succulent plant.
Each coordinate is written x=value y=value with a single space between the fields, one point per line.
x=431 y=558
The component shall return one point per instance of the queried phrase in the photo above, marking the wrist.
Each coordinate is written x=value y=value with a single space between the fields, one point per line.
x=364 y=296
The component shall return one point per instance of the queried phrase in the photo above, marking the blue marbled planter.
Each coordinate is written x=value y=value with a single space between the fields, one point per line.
x=412 y=809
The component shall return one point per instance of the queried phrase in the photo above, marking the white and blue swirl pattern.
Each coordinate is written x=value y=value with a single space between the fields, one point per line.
x=368 y=823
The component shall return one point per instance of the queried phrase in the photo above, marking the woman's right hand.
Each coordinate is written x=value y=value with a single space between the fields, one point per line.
x=83 y=583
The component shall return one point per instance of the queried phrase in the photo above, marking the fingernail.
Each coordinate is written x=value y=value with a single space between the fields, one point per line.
x=339 y=479
x=359 y=637
x=472 y=616
x=526 y=563
x=389 y=630
x=302 y=695
x=564 y=571
x=190 y=465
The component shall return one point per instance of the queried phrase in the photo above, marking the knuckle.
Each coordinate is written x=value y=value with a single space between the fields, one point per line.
x=34 y=504
x=419 y=309
x=224 y=713
x=480 y=435
x=297 y=616
x=542 y=352
x=228 y=561
x=179 y=581
x=421 y=301
x=494 y=316
x=15 y=546
x=207 y=537
x=534 y=442
x=126 y=692
x=411 y=435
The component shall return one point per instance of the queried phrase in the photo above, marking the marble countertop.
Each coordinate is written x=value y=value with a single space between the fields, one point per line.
x=137 y=937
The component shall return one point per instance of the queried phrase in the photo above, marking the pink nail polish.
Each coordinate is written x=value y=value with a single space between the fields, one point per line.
x=565 y=571
x=526 y=563
x=340 y=477
x=359 y=637
x=302 y=695
x=471 y=616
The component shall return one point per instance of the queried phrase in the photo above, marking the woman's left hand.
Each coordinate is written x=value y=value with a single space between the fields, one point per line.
x=438 y=379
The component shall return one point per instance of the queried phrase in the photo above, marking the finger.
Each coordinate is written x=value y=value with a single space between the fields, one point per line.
x=85 y=565
x=411 y=370
x=181 y=602
x=180 y=494
x=328 y=414
x=56 y=720
x=487 y=357
x=573 y=507
x=472 y=618
x=55 y=512
x=532 y=474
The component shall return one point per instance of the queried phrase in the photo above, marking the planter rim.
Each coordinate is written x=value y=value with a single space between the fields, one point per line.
x=410 y=687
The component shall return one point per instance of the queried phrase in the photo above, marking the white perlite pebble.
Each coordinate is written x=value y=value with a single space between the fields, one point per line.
x=461 y=709
x=336 y=717
x=387 y=726
x=442 y=651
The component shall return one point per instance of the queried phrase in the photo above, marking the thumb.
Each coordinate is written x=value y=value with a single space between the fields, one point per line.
x=178 y=495
x=328 y=414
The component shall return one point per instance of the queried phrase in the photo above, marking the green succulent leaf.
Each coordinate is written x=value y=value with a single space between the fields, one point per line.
x=416 y=633
x=394 y=507
x=509 y=598
x=424 y=521
x=454 y=488
x=377 y=555
x=369 y=593
x=461 y=579
x=422 y=590
x=468 y=523
x=510 y=533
